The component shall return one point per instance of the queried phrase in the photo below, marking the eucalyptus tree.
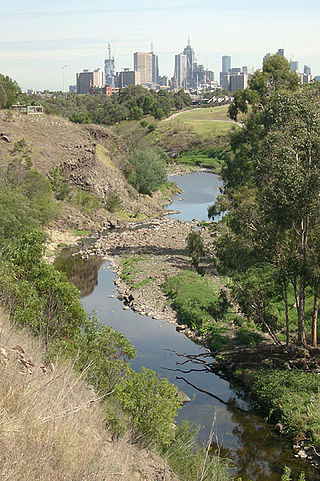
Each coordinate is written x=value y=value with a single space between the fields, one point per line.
x=272 y=187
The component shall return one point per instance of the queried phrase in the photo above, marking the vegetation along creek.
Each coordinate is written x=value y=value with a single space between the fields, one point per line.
x=257 y=451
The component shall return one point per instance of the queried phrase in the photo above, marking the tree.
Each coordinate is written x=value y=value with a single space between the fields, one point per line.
x=195 y=248
x=149 y=168
x=272 y=184
x=11 y=91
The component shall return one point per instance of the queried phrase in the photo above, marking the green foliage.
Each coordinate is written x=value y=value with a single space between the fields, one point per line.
x=293 y=395
x=26 y=200
x=103 y=355
x=192 y=296
x=152 y=404
x=190 y=461
x=113 y=203
x=287 y=475
x=149 y=169
x=211 y=159
x=59 y=184
x=130 y=266
x=86 y=200
x=9 y=91
x=248 y=336
x=131 y=103
x=195 y=249
x=81 y=118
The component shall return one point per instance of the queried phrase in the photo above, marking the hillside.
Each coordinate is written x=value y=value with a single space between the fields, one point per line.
x=52 y=423
x=88 y=157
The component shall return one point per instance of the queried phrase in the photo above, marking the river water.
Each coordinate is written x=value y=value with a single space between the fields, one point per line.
x=256 y=450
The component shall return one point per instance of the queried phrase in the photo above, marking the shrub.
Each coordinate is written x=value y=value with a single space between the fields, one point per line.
x=86 y=200
x=59 y=184
x=113 y=203
x=151 y=403
x=150 y=170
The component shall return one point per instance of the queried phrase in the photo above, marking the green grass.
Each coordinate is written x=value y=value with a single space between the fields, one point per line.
x=129 y=216
x=213 y=159
x=103 y=155
x=81 y=232
x=292 y=396
x=206 y=121
x=130 y=267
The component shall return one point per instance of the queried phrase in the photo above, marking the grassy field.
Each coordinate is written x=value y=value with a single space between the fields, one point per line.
x=207 y=120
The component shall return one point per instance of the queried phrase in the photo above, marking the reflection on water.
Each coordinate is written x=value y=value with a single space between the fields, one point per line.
x=257 y=451
x=82 y=273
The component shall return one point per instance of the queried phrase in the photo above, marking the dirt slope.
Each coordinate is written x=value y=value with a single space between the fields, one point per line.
x=88 y=156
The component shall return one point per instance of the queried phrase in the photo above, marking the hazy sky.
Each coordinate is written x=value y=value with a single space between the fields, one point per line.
x=38 y=37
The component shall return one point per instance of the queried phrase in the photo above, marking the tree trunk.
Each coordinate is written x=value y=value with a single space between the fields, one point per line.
x=287 y=314
x=302 y=281
x=314 y=337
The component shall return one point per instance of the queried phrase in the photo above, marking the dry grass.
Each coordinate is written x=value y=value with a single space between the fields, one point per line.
x=51 y=423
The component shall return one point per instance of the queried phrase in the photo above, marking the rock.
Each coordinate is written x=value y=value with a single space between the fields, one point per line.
x=183 y=396
x=5 y=137
x=125 y=308
x=302 y=454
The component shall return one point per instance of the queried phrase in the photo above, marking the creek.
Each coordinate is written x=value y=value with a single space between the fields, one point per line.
x=257 y=451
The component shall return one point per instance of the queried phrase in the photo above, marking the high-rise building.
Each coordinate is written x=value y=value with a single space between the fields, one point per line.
x=128 y=77
x=294 y=65
x=143 y=65
x=86 y=80
x=280 y=51
x=191 y=63
x=110 y=68
x=226 y=63
x=238 y=81
x=307 y=70
x=180 y=70
x=248 y=69
x=225 y=80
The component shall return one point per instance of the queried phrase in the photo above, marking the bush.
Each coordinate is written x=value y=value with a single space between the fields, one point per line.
x=59 y=184
x=86 y=200
x=152 y=404
x=113 y=203
x=81 y=118
x=150 y=170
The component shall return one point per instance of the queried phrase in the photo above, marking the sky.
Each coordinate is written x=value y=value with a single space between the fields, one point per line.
x=39 y=37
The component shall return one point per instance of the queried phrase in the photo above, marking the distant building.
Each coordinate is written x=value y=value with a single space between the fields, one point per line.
x=316 y=78
x=191 y=64
x=294 y=65
x=247 y=69
x=128 y=77
x=86 y=80
x=164 y=81
x=225 y=80
x=110 y=68
x=226 y=63
x=155 y=68
x=238 y=81
x=180 y=70
x=143 y=65
x=305 y=78
x=306 y=70
x=280 y=51
x=235 y=70
x=107 y=90
x=72 y=88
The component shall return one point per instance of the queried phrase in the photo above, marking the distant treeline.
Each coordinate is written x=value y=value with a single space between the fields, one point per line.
x=130 y=103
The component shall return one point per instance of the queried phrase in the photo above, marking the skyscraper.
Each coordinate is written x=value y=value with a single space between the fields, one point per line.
x=155 y=66
x=307 y=70
x=143 y=65
x=226 y=63
x=110 y=68
x=280 y=52
x=191 y=60
x=180 y=70
x=294 y=65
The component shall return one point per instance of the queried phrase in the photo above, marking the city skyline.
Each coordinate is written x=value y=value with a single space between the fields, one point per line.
x=36 y=42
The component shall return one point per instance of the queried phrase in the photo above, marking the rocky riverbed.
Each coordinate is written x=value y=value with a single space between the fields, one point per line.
x=155 y=251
